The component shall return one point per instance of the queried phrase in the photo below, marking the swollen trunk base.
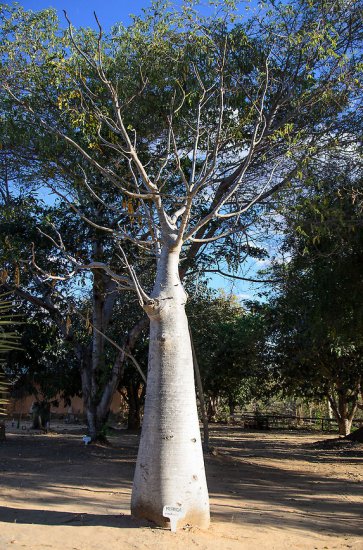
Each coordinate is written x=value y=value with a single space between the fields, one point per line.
x=170 y=466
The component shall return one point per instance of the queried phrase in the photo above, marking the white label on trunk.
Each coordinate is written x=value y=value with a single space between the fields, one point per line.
x=173 y=513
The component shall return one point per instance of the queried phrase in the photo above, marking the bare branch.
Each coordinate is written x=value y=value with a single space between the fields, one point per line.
x=231 y=231
x=143 y=297
x=114 y=344
x=231 y=276
x=254 y=200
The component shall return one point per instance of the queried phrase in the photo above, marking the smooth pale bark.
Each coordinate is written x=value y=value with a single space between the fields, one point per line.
x=346 y=413
x=345 y=426
x=344 y=409
x=170 y=466
x=330 y=410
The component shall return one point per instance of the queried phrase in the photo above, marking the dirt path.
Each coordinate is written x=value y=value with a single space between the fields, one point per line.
x=268 y=491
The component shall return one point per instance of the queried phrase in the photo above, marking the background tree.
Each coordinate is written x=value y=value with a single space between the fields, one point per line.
x=316 y=339
x=226 y=339
x=31 y=245
x=45 y=364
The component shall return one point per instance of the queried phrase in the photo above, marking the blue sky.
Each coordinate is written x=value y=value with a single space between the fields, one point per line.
x=81 y=11
x=109 y=11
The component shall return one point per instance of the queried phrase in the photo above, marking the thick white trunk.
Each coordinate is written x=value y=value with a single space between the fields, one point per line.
x=170 y=467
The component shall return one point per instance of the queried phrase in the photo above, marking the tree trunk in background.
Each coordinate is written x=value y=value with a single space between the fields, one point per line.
x=203 y=411
x=231 y=406
x=311 y=411
x=212 y=408
x=97 y=397
x=41 y=415
x=134 y=400
x=94 y=423
x=96 y=418
x=345 y=426
x=330 y=410
x=299 y=413
x=345 y=417
x=344 y=409
x=97 y=409
x=170 y=467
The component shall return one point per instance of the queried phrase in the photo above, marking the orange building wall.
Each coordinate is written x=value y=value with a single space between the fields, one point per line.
x=23 y=406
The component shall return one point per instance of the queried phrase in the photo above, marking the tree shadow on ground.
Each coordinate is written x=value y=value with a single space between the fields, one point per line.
x=316 y=450
x=282 y=494
x=270 y=496
x=53 y=471
x=52 y=517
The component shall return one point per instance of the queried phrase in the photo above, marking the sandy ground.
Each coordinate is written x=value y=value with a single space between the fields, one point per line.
x=268 y=491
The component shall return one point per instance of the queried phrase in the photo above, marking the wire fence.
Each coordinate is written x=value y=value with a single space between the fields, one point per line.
x=262 y=421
